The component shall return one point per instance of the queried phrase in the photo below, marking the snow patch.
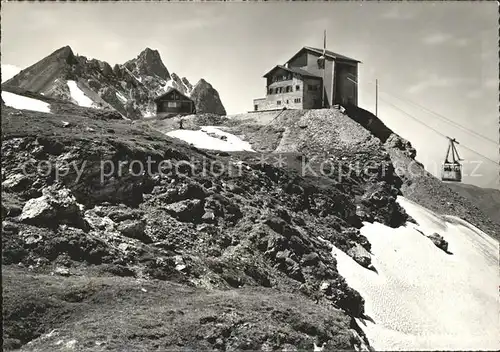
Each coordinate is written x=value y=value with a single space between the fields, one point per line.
x=21 y=102
x=169 y=84
x=78 y=95
x=210 y=137
x=422 y=298
x=121 y=97
x=148 y=113
x=187 y=92
x=139 y=79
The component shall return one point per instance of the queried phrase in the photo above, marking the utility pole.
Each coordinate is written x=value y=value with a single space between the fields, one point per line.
x=376 y=97
x=323 y=85
x=322 y=59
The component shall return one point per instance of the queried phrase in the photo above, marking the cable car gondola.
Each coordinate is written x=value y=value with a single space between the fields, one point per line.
x=452 y=170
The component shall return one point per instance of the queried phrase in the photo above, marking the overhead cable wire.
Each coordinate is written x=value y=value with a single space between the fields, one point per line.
x=423 y=123
x=432 y=128
x=438 y=115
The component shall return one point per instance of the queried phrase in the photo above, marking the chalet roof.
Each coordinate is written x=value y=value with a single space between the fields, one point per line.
x=170 y=90
x=294 y=70
x=328 y=53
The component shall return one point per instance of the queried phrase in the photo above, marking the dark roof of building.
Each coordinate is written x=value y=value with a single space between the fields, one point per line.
x=328 y=53
x=294 y=70
x=170 y=90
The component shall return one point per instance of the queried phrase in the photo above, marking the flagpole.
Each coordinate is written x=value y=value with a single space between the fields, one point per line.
x=324 y=68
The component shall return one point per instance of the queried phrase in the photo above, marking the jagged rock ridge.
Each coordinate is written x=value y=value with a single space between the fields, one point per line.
x=128 y=88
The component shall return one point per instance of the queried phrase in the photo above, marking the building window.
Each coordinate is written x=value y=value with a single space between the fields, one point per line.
x=255 y=107
x=288 y=89
x=296 y=100
x=297 y=87
x=172 y=104
x=270 y=91
x=278 y=102
x=287 y=101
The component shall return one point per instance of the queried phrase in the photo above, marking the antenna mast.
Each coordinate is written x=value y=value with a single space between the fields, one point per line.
x=324 y=69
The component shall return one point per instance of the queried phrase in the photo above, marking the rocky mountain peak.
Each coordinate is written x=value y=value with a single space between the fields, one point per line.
x=65 y=53
x=207 y=99
x=148 y=62
x=127 y=88
x=149 y=51
x=203 y=84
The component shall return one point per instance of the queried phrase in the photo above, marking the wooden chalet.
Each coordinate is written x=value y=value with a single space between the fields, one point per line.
x=173 y=102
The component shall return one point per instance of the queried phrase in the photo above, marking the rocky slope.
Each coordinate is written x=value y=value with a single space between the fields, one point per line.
x=487 y=199
x=239 y=239
x=128 y=88
x=117 y=237
x=339 y=136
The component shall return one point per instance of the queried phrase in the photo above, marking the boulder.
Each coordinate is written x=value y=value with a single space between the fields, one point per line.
x=310 y=259
x=208 y=217
x=191 y=191
x=9 y=227
x=134 y=229
x=235 y=188
x=118 y=215
x=325 y=287
x=186 y=210
x=439 y=241
x=54 y=207
x=15 y=183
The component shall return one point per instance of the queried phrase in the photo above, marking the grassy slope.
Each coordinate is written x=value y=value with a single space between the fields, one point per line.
x=126 y=314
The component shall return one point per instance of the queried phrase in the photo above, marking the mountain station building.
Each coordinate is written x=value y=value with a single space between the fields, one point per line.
x=312 y=79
